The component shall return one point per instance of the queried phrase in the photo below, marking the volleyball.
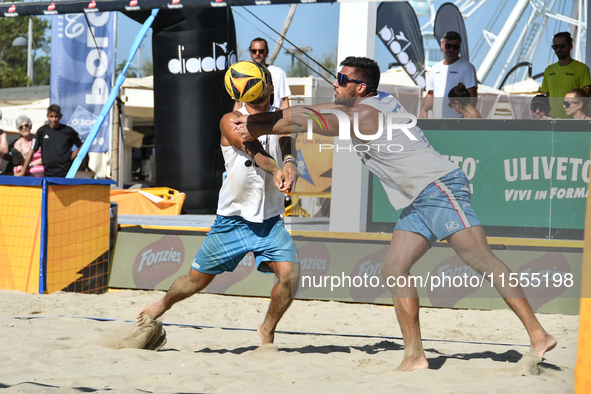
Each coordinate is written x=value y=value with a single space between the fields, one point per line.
x=245 y=81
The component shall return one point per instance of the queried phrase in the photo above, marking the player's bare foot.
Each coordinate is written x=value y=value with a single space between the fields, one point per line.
x=540 y=346
x=266 y=337
x=412 y=363
x=153 y=310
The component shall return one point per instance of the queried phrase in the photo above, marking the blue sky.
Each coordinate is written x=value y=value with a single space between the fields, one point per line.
x=316 y=25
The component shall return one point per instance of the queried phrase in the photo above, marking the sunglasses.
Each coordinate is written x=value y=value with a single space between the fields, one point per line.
x=455 y=47
x=342 y=80
x=22 y=127
x=450 y=105
x=567 y=104
x=561 y=46
x=255 y=51
x=538 y=107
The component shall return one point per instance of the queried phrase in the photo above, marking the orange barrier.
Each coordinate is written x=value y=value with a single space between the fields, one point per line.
x=149 y=201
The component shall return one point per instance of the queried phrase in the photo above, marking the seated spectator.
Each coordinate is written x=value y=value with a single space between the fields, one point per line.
x=23 y=146
x=3 y=147
x=460 y=99
x=576 y=102
x=540 y=107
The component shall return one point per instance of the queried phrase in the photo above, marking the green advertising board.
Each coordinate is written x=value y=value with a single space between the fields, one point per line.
x=528 y=178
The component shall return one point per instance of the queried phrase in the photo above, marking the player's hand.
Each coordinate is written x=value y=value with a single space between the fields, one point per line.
x=239 y=121
x=247 y=131
x=280 y=181
x=291 y=174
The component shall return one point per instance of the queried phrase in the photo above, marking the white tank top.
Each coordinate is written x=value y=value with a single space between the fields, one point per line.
x=406 y=173
x=248 y=191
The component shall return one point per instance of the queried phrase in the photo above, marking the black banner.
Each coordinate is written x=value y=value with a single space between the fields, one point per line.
x=398 y=28
x=449 y=18
x=192 y=49
x=16 y=9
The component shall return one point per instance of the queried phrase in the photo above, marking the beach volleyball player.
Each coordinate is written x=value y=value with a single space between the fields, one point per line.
x=434 y=193
x=251 y=201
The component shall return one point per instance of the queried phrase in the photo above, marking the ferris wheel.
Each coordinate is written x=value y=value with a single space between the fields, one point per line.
x=511 y=35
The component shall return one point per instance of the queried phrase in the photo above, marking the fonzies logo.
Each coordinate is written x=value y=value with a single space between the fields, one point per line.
x=158 y=261
x=192 y=65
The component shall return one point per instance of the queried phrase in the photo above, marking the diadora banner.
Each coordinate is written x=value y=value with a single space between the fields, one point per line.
x=525 y=183
x=15 y=9
x=82 y=71
x=351 y=270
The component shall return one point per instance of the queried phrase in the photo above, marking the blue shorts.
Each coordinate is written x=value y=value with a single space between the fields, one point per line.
x=231 y=238
x=441 y=209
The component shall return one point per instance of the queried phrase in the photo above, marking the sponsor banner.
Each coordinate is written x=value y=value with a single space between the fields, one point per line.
x=398 y=28
x=352 y=270
x=528 y=184
x=10 y=9
x=82 y=70
x=315 y=169
x=449 y=18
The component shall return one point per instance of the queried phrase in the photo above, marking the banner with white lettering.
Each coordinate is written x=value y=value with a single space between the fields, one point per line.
x=398 y=28
x=82 y=71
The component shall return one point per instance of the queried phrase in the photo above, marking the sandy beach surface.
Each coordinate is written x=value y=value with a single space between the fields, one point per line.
x=53 y=347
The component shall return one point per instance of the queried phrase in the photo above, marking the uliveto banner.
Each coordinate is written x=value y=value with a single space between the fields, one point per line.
x=82 y=71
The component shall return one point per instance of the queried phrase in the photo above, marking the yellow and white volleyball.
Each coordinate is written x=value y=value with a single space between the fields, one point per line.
x=245 y=81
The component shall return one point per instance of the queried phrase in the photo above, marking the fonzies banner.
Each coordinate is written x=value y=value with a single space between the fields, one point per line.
x=82 y=71
x=398 y=28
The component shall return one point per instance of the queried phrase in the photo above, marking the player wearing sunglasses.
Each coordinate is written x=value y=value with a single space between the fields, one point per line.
x=564 y=75
x=447 y=74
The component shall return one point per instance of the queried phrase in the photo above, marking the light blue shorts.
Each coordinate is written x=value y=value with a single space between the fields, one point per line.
x=231 y=238
x=441 y=209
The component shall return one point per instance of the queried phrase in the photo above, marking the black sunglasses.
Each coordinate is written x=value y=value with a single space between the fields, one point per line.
x=538 y=107
x=561 y=46
x=455 y=47
x=255 y=51
x=22 y=127
x=343 y=79
x=567 y=104
x=450 y=105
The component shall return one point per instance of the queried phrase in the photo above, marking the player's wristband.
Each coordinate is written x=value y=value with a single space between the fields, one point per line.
x=289 y=159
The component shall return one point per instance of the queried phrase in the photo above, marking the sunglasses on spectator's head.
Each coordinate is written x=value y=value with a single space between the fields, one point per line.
x=343 y=79
x=567 y=104
x=455 y=47
x=538 y=107
x=561 y=46
x=255 y=51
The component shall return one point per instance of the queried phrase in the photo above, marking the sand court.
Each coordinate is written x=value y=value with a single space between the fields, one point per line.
x=58 y=347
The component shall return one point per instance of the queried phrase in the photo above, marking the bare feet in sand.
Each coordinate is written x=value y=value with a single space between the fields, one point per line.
x=540 y=346
x=266 y=337
x=411 y=364
x=153 y=310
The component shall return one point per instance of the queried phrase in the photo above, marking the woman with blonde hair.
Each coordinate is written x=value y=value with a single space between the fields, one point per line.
x=461 y=100
x=576 y=102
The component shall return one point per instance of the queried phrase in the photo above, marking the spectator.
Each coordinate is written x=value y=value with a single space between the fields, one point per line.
x=540 y=107
x=460 y=100
x=56 y=141
x=576 y=102
x=259 y=50
x=564 y=75
x=447 y=74
x=3 y=146
x=23 y=146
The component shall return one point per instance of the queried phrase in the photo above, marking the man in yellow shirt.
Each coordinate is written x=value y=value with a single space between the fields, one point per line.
x=564 y=75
